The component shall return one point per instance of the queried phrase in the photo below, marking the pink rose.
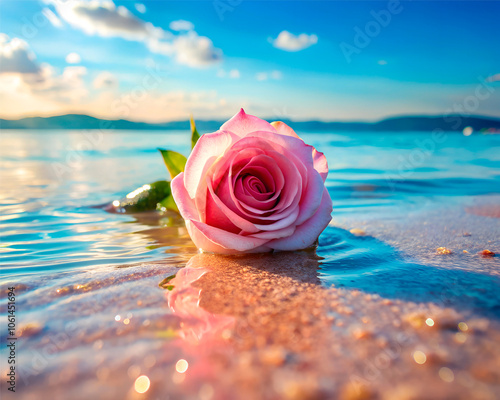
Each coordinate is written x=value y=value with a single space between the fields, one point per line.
x=253 y=186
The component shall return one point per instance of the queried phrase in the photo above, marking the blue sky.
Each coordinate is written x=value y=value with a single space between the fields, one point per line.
x=162 y=60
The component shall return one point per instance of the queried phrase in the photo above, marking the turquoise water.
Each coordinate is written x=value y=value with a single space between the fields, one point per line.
x=54 y=182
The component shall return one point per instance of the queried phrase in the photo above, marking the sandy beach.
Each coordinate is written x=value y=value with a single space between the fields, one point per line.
x=271 y=326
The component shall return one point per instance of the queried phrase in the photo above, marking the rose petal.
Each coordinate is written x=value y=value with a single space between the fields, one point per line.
x=203 y=243
x=252 y=187
x=208 y=148
x=219 y=237
x=294 y=145
x=242 y=223
x=216 y=217
x=184 y=203
x=311 y=198
x=281 y=223
x=284 y=129
x=267 y=170
x=236 y=159
x=289 y=196
x=258 y=179
x=277 y=234
x=242 y=124
x=306 y=234
x=320 y=164
x=262 y=203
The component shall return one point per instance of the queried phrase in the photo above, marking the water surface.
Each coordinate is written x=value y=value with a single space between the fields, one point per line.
x=52 y=181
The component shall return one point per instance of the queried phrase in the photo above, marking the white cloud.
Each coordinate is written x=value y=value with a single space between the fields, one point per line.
x=264 y=76
x=53 y=18
x=28 y=87
x=289 y=42
x=189 y=49
x=73 y=58
x=46 y=85
x=261 y=76
x=196 y=51
x=493 y=78
x=16 y=56
x=276 y=74
x=140 y=8
x=67 y=87
x=23 y=75
x=232 y=74
x=105 y=80
x=104 y=18
x=181 y=25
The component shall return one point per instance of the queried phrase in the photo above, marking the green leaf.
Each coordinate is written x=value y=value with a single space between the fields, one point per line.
x=144 y=198
x=167 y=334
x=165 y=283
x=174 y=161
x=194 y=133
x=168 y=203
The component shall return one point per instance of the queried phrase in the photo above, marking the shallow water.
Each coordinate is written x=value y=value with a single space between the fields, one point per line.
x=405 y=194
x=52 y=182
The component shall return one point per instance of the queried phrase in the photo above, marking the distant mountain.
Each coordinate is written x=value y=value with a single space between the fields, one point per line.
x=395 y=124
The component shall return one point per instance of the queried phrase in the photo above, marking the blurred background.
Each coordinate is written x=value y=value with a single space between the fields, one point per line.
x=159 y=61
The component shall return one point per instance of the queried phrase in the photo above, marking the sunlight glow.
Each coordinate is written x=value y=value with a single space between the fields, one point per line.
x=138 y=191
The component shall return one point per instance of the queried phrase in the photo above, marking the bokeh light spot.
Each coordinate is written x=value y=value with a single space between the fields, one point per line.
x=419 y=357
x=181 y=366
x=142 y=384
x=446 y=374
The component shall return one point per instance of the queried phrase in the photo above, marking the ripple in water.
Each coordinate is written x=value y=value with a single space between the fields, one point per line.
x=367 y=264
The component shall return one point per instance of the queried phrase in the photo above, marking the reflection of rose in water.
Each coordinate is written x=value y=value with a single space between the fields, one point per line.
x=184 y=300
x=255 y=322
x=246 y=298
